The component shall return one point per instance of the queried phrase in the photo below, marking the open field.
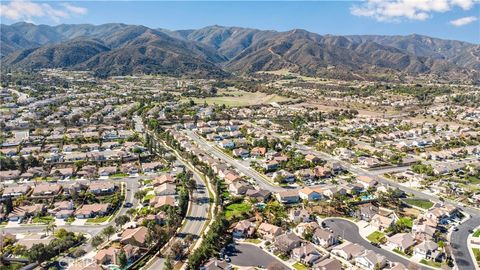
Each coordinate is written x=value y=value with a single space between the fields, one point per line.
x=240 y=98
x=236 y=209
x=419 y=203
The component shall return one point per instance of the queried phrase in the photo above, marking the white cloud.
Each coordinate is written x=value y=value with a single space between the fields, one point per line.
x=75 y=9
x=463 y=21
x=27 y=10
x=395 y=10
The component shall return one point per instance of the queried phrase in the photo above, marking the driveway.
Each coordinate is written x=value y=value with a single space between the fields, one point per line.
x=247 y=255
x=349 y=231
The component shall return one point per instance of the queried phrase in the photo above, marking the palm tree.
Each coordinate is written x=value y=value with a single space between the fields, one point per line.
x=50 y=227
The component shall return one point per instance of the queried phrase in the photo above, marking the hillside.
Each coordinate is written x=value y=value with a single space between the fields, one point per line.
x=111 y=49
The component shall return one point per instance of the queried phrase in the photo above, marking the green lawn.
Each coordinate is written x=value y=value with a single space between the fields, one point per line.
x=241 y=98
x=236 y=210
x=377 y=237
x=300 y=266
x=419 y=203
x=476 y=233
x=98 y=219
x=119 y=175
x=253 y=240
x=147 y=181
x=476 y=254
x=148 y=197
x=408 y=222
x=431 y=263
x=45 y=219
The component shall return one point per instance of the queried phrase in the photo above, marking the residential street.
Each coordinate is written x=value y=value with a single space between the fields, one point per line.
x=349 y=231
x=243 y=168
x=196 y=219
x=244 y=254
x=458 y=238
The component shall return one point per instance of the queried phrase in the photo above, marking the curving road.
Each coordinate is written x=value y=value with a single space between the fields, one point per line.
x=249 y=255
x=458 y=240
x=349 y=231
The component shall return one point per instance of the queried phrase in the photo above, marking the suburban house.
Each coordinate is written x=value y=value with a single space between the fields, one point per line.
x=46 y=189
x=298 y=215
x=216 y=264
x=306 y=253
x=239 y=187
x=370 y=260
x=425 y=249
x=101 y=187
x=366 y=211
x=381 y=223
x=310 y=194
x=244 y=228
x=135 y=237
x=21 y=212
x=401 y=241
x=288 y=196
x=92 y=210
x=260 y=195
x=166 y=189
x=268 y=231
x=162 y=179
x=15 y=191
x=110 y=255
x=324 y=238
x=159 y=201
x=348 y=250
x=328 y=264
x=287 y=242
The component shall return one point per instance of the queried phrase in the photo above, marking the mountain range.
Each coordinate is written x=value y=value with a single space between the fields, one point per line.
x=119 y=49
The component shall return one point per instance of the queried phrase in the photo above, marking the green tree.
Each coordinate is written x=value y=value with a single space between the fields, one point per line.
x=96 y=240
x=108 y=231
x=168 y=263
x=122 y=259
x=122 y=220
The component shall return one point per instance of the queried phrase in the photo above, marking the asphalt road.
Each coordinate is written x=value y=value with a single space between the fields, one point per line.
x=243 y=168
x=458 y=238
x=248 y=255
x=349 y=231
x=195 y=220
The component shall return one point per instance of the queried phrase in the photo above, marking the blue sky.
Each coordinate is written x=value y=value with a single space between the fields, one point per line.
x=449 y=19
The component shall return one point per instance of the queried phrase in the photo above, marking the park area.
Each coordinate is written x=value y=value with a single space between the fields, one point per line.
x=240 y=98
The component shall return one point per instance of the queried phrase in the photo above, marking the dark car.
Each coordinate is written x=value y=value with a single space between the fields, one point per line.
x=128 y=204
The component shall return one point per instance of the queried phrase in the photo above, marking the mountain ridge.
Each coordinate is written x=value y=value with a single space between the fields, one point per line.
x=218 y=50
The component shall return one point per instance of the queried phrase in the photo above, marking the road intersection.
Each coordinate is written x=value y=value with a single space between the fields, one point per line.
x=458 y=239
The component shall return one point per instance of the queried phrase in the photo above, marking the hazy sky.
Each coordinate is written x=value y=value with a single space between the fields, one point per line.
x=449 y=19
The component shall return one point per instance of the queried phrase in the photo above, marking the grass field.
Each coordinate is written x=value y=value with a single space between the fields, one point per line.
x=476 y=233
x=476 y=254
x=98 y=219
x=240 y=98
x=45 y=219
x=299 y=266
x=253 y=240
x=431 y=263
x=377 y=237
x=236 y=210
x=419 y=203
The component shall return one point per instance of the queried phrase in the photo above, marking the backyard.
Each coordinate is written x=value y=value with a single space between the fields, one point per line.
x=236 y=210
x=425 y=204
